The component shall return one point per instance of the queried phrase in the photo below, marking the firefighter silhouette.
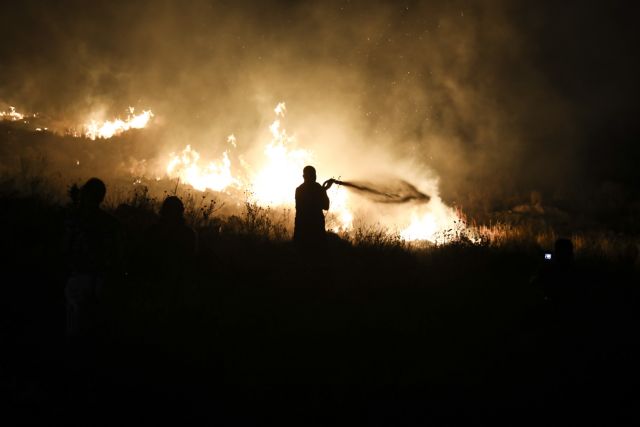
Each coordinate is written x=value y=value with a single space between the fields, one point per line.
x=311 y=201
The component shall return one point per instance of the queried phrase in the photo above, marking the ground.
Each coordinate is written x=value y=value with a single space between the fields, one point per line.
x=254 y=331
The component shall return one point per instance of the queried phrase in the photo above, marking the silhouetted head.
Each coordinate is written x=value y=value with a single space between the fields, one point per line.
x=172 y=210
x=309 y=174
x=92 y=193
x=564 y=251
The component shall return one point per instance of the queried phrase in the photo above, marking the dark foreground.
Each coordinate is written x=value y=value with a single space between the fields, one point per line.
x=254 y=333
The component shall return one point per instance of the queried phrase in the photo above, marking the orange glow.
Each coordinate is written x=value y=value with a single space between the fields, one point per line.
x=215 y=175
x=281 y=172
x=273 y=178
x=109 y=128
x=12 y=114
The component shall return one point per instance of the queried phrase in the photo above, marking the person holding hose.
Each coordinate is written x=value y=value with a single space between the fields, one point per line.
x=311 y=201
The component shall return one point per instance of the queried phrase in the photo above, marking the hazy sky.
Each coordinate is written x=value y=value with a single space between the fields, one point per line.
x=496 y=97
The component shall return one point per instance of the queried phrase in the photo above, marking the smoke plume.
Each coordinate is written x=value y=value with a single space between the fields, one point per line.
x=459 y=97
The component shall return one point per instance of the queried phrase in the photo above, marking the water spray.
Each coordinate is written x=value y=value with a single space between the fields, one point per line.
x=391 y=192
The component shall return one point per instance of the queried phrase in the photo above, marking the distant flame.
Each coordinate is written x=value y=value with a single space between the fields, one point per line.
x=280 y=109
x=214 y=175
x=107 y=129
x=12 y=114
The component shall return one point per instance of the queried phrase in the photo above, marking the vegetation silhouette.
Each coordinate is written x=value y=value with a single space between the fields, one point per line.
x=382 y=329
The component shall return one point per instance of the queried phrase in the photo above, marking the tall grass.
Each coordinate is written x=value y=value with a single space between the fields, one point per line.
x=209 y=215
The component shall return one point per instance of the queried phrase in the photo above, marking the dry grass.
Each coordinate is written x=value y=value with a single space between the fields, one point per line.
x=204 y=212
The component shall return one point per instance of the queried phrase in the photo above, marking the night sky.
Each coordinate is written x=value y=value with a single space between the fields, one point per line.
x=498 y=98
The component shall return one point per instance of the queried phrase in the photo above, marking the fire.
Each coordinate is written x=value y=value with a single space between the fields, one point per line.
x=276 y=181
x=215 y=175
x=93 y=129
x=421 y=228
x=271 y=184
x=339 y=198
x=272 y=181
x=109 y=128
x=12 y=114
x=279 y=171
x=435 y=223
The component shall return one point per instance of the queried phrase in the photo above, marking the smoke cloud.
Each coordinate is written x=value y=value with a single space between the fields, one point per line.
x=459 y=97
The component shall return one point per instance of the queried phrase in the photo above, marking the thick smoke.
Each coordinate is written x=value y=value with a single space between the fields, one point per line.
x=459 y=91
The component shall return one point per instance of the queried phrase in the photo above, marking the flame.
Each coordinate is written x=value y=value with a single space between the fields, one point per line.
x=435 y=223
x=278 y=173
x=339 y=198
x=216 y=175
x=272 y=183
x=276 y=181
x=280 y=109
x=107 y=129
x=12 y=114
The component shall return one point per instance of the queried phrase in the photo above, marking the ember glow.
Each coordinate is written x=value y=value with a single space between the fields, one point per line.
x=109 y=128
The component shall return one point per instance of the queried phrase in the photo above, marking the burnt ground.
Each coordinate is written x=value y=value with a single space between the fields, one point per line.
x=254 y=332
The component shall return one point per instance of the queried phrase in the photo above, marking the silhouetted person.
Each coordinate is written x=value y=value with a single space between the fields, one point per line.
x=311 y=200
x=558 y=277
x=171 y=239
x=93 y=247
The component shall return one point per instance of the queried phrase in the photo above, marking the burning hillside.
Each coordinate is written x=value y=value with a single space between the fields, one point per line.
x=11 y=114
x=110 y=128
x=269 y=174
x=92 y=129
x=271 y=181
